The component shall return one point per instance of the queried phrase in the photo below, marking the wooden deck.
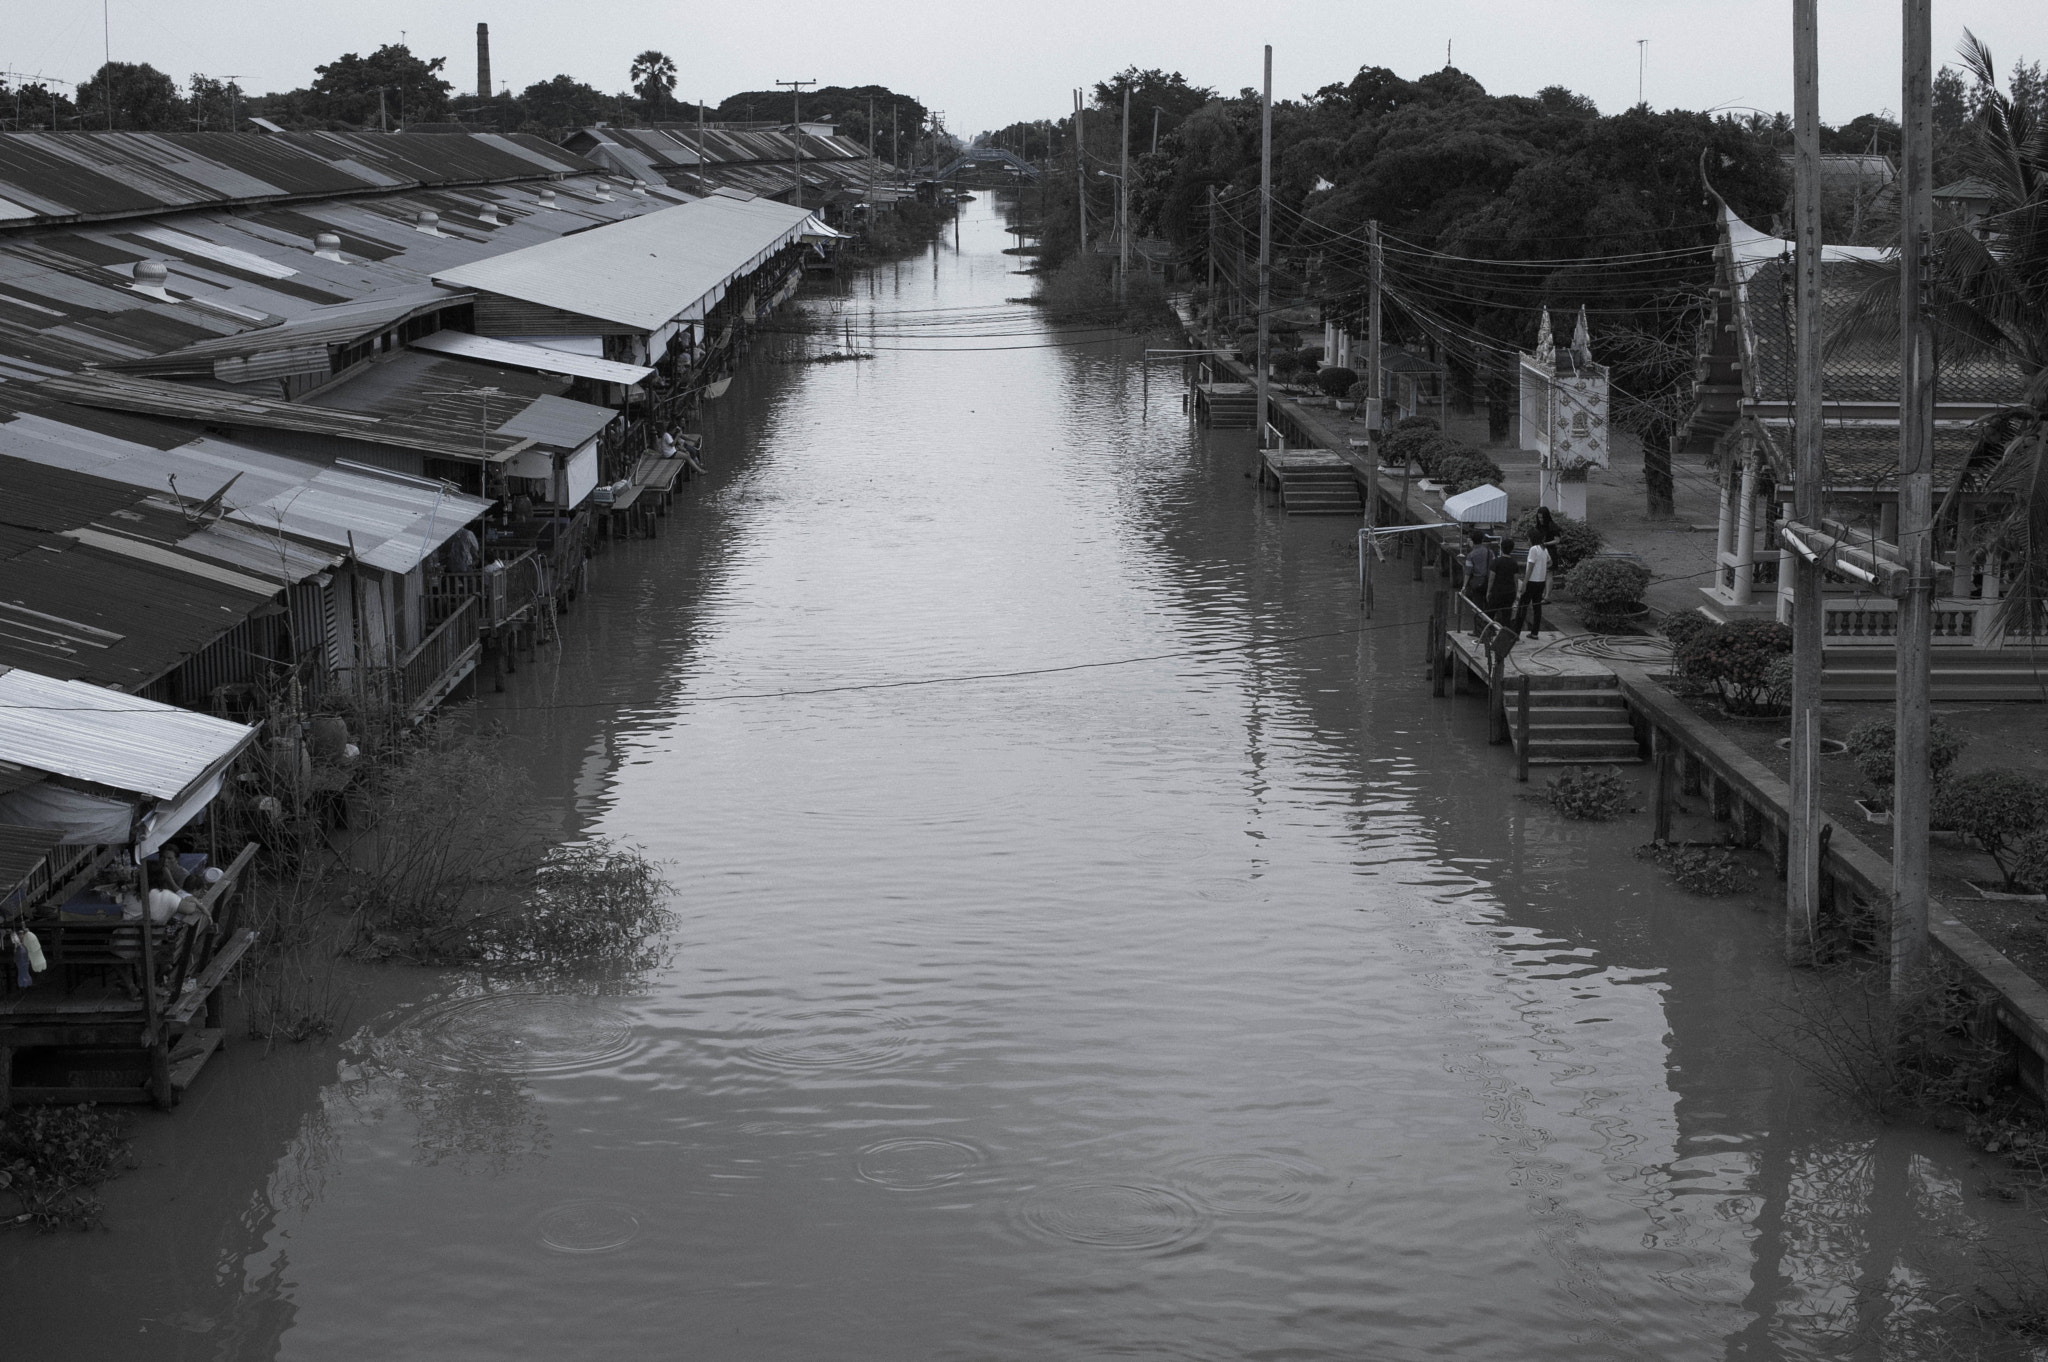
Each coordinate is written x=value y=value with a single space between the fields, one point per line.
x=124 y=1013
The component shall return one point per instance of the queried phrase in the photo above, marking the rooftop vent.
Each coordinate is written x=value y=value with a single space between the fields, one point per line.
x=602 y=192
x=547 y=198
x=639 y=186
x=150 y=278
x=428 y=221
x=488 y=215
x=327 y=245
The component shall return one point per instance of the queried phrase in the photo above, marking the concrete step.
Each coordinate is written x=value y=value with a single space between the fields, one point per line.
x=1544 y=727
x=1557 y=751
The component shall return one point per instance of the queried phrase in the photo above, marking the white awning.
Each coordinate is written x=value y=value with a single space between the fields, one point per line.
x=1482 y=505
x=519 y=355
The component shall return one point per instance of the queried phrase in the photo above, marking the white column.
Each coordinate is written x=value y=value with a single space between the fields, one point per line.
x=1724 y=532
x=1745 y=534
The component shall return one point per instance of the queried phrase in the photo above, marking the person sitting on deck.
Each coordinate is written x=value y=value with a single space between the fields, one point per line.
x=1500 y=583
x=668 y=445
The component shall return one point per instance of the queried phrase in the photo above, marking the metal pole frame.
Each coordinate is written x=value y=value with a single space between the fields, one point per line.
x=1265 y=242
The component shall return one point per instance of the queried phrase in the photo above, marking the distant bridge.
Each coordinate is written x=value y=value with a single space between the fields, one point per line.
x=992 y=162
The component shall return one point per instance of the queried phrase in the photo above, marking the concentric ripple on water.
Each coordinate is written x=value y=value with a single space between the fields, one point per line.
x=850 y=1038
x=1113 y=1215
x=1250 y=1184
x=588 y=1227
x=913 y=1163
x=510 y=1033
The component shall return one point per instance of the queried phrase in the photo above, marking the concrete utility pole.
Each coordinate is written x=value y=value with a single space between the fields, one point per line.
x=483 y=61
x=1265 y=239
x=1155 y=129
x=1214 y=308
x=699 y=148
x=1802 y=866
x=1080 y=172
x=1374 y=377
x=1912 y=781
x=1123 y=201
x=796 y=133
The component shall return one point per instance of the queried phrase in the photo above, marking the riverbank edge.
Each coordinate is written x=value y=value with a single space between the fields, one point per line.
x=2019 y=1002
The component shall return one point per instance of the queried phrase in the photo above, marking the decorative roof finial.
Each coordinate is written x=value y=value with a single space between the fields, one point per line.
x=1582 y=342
x=1546 y=348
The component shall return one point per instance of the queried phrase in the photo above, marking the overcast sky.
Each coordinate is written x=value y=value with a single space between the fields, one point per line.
x=987 y=65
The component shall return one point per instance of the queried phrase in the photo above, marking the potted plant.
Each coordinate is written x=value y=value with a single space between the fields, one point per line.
x=1998 y=810
x=1734 y=661
x=1871 y=745
x=1609 y=593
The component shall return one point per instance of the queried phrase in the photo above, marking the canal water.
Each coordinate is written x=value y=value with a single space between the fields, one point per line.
x=1093 y=942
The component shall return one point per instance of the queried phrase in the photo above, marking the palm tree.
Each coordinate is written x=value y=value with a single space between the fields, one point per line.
x=1990 y=300
x=654 y=76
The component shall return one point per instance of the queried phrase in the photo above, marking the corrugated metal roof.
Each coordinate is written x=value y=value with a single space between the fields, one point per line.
x=646 y=272
x=87 y=733
x=523 y=356
x=559 y=422
x=87 y=175
x=340 y=324
x=390 y=520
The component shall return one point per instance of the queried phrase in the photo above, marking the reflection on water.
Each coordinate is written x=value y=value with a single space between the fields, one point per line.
x=1224 y=1002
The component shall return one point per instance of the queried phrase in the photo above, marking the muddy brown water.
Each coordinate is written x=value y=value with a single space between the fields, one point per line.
x=1226 y=1004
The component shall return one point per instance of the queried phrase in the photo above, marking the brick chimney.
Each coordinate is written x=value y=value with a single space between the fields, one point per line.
x=483 y=61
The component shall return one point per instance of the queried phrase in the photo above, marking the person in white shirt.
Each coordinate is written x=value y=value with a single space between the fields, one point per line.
x=1535 y=582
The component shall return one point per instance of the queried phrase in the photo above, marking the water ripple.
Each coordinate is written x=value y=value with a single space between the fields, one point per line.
x=1114 y=1215
x=534 y=1034
x=587 y=1227
x=830 y=1038
x=917 y=1162
x=1251 y=1184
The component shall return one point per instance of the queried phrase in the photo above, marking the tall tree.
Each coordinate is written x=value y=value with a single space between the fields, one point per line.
x=347 y=88
x=131 y=97
x=654 y=76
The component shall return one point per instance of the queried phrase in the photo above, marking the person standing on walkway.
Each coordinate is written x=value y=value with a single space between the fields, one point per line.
x=1500 y=583
x=1535 y=583
x=1477 y=559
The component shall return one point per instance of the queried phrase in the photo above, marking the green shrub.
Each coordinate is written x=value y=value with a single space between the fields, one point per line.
x=1778 y=681
x=1464 y=467
x=1335 y=382
x=1358 y=392
x=1575 y=540
x=1410 y=443
x=1590 y=794
x=1312 y=354
x=2030 y=861
x=1711 y=872
x=1996 y=809
x=1735 y=659
x=1606 y=586
x=1416 y=423
x=1871 y=745
x=1681 y=627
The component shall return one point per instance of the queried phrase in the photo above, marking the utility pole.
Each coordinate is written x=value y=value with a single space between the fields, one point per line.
x=1912 y=781
x=1214 y=307
x=1155 y=129
x=1372 y=345
x=796 y=132
x=1802 y=864
x=1123 y=200
x=1080 y=172
x=1265 y=240
x=700 y=147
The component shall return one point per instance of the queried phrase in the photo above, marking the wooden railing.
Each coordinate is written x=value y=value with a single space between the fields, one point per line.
x=443 y=658
x=503 y=593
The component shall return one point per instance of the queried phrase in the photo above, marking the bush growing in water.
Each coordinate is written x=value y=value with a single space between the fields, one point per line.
x=456 y=869
x=1589 y=794
x=1084 y=291
x=52 y=1159
x=1711 y=872
x=1996 y=809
